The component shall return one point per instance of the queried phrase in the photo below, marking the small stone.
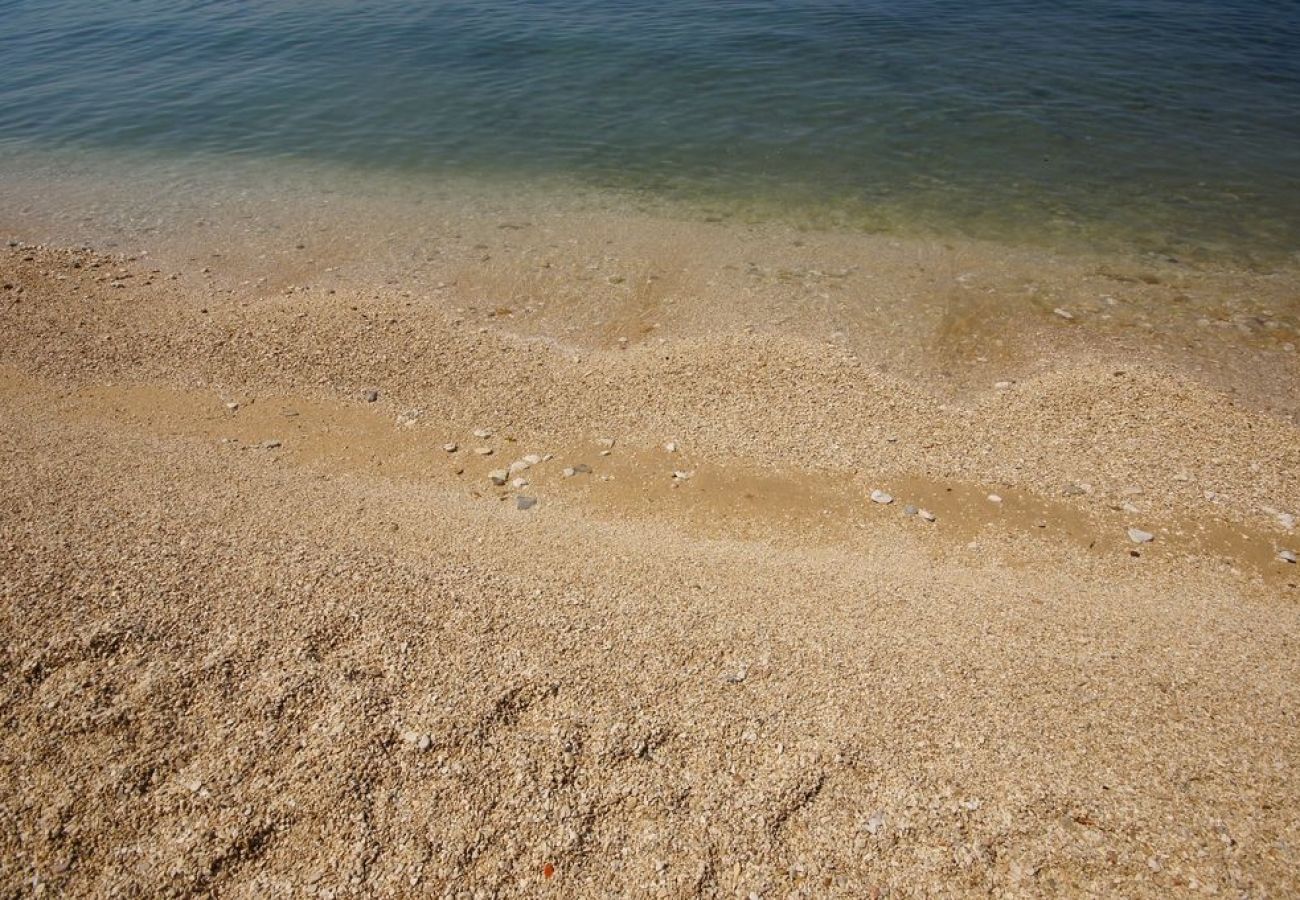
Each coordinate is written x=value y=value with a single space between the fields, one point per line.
x=1063 y=313
x=927 y=515
x=994 y=498
x=370 y=396
x=423 y=743
x=1002 y=385
x=482 y=432
x=525 y=502
x=879 y=496
x=910 y=510
x=1287 y=556
x=606 y=452
x=569 y=472
x=1286 y=520
x=270 y=445
x=671 y=446
x=520 y=465
x=607 y=443
x=483 y=451
x=450 y=448
x=682 y=476
x=1138 y=536
x=875 y=823
x=498 y=476
x=232 y=406
x=519 y=483
x=533 y=459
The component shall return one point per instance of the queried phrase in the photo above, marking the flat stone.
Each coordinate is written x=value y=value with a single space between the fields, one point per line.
x=1063 y=313
x=1138 y=536
x=482 y=432
x=569 y=472
x=519 y=465
x=232 y=406
x=1287 y=556
x=519 y=483
x=879 y=496
x=450 y=448
x=683 y=476
x=483 y=451
x=607 y=443
x=927 y=515
x=498 y=476
x=533 y=459
x=525 y=502
x=1002 y=385
x=994 y=498
x=270 y=445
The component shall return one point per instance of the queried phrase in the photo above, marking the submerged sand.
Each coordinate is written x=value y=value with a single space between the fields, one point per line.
x=263 y=636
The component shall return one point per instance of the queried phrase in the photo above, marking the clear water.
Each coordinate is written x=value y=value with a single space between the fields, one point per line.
x=1170 y=125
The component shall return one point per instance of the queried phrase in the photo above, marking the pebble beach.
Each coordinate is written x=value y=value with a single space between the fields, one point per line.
x=530 y=565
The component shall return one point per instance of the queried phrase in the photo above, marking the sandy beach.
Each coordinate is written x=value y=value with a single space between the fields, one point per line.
x=272 y=627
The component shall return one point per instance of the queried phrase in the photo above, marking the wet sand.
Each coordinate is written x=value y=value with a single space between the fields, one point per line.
x=264 y=636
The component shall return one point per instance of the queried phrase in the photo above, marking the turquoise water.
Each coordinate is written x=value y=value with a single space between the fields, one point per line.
x=1172 y=125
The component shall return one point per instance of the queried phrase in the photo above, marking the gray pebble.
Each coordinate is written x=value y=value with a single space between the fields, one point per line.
x=525 y=502
x=370 y=396
x=910 y=510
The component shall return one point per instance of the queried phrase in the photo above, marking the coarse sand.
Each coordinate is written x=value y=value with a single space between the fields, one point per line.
x=269 y=629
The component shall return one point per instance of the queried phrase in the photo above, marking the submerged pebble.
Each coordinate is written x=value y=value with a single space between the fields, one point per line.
x=525 y=502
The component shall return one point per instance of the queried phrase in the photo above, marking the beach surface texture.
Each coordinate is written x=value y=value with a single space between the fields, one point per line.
x=615 y=555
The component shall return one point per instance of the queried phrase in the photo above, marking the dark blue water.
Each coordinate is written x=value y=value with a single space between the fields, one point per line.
x=1166 y=124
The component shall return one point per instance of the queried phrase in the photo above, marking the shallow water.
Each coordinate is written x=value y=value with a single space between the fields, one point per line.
x=1161 y=125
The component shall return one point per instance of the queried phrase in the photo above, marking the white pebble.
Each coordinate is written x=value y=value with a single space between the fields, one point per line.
x=927 y=515
x=994 y=498
x=450 y=448
x=1287 y=556
x=879 y=496
x=1063 y=313
x=1138 y=536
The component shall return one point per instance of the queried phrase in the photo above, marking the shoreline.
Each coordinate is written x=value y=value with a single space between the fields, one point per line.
x=264 y=635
